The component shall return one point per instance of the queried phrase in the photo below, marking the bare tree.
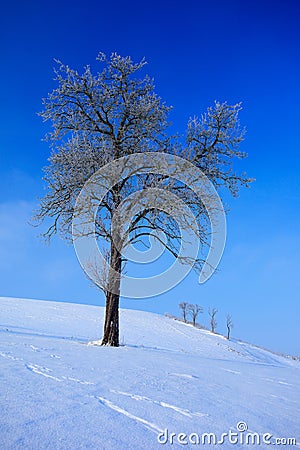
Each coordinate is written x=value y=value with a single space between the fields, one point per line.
x=212 y=314
x=194 y=310
x=229 y=325
x=183 y=306
x=97 y=119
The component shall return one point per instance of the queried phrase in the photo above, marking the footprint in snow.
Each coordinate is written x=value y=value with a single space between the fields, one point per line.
x=35 y=349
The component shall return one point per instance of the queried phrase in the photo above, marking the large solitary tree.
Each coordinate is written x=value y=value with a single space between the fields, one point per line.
x=99 y=118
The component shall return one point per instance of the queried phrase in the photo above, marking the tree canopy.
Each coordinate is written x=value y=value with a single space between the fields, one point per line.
x=101 y=118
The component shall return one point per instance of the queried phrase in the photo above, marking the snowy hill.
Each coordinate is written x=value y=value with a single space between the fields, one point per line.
x=59 y=393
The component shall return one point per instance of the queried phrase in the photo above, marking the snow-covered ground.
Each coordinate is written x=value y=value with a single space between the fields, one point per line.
x=56 y=392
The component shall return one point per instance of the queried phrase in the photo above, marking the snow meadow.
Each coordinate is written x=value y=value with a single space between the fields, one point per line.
x=168 y=385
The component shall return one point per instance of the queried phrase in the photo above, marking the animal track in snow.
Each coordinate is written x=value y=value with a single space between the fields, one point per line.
x=276 y=381
x=184 y=412
x=42 y=371
x=185 y=375
x=231 y=371
x=9 y=356
x=47 y=373
x=42 y=349
x=149 y=425
x=77 y=381
x=285 y=383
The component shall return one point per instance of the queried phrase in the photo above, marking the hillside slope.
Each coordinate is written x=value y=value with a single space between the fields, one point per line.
x=59 y=393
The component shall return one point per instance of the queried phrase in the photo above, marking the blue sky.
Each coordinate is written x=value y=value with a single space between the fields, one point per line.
x=197 y=52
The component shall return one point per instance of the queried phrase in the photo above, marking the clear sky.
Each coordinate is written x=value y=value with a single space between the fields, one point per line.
x=197 y=52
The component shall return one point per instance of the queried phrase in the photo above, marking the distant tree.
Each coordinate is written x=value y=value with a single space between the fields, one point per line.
x=183 y=306
x=99 y=118
x=229 y=325
x=194 y=310
x=212 y=314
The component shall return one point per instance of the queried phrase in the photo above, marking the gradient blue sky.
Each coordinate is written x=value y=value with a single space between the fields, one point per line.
x=197 y=52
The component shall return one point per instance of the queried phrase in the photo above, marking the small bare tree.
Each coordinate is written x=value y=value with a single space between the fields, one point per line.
x=183 y=306
x=212 y=314
x=229 y=325
x=194 y=310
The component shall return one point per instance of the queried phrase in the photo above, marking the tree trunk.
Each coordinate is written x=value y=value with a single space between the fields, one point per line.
x=228 y=333
x=111 y=324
